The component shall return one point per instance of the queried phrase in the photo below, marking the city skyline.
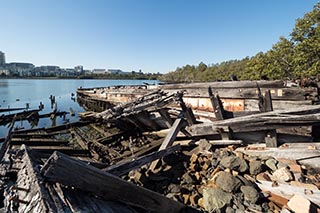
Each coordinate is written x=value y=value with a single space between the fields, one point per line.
x=154 y=36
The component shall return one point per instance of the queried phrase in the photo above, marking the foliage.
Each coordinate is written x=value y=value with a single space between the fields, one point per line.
x=295 y=57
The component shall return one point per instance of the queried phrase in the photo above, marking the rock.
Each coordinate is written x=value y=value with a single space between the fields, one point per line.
x=173 y=188
x=215 y=199
x=224 y=153
x=194 y=198
x=299 y=204
x=204 y=145
x=285 y=211
x=238 y=203
x=173 y=196
x=230 y=210
x=250 y=194
x=200 y=202
x=295 y=168
x=193 y=158
x=228 y=182
x=255 y=167
x=272 y=164
x=245 y=181
x=234 y=163
x=194 y=167
x=187 y=178
x=263 y=176
x=282 y=175
x=186 y=198
x=281 y=165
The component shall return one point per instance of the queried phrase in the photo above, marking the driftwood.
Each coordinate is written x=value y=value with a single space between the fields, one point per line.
x=68 y=171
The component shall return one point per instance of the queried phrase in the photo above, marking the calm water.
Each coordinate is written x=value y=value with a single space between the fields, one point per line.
x=16 y=93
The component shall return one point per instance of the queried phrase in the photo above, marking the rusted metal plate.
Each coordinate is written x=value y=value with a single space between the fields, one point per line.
x=205 y=104
x=233 y=105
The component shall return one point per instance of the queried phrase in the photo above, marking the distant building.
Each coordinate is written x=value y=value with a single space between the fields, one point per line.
x=2 y=59
x=118 y=72
x=114 y=71
x=79 y=68
x=20 y=68
x=4 y=71
x=99 y=71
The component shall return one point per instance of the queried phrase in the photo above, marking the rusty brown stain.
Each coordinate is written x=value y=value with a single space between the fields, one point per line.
x=205 y=104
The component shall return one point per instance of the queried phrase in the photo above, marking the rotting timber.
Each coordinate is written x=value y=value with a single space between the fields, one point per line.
x=142 y=149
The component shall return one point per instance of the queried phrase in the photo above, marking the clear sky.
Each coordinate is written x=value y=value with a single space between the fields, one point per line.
x=151 y=35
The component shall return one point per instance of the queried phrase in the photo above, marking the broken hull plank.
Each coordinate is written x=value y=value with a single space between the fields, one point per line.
x=63 y=169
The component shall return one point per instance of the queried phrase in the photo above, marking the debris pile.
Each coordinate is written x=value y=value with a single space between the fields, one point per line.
x=225 y=180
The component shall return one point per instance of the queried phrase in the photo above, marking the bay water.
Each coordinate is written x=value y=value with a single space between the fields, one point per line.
x=18 y=93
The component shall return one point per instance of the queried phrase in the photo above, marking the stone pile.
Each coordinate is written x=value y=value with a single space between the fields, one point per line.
x=223 y=180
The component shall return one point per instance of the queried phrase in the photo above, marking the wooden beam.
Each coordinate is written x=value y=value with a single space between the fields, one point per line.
x=39 y=142
x=6 y=143
x=63 y=169
x=225 y=84
x=217 y=105
x=265 y=105
x=225 y=142
x=166 y=116
x=178 y=124
x=187 y=111
x=122 y=168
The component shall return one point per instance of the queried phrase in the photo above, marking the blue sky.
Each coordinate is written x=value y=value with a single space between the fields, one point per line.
x=151 y=35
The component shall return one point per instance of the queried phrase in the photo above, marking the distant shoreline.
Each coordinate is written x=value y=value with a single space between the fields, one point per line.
x=78 y=78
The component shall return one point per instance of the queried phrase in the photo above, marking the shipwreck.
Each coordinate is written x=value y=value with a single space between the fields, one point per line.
x=213 y=147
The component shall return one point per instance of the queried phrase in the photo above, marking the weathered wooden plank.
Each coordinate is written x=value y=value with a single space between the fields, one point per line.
x=125 y=167
x=6 y=143
x=187 y=111
x=71 y=172
x=294 y=151
x=225 y=84
x=288 y=191
x=39 y=142
x=225 y=142
x=68 y=151
x=265 y=101
x=217 y=105
x=176 y=127
x=35 y=195
x=166 y=116
x=34 y=135
x=266 y=121
x=178 y=124
x=252 y=105
x=252 y=93
x=10 y=109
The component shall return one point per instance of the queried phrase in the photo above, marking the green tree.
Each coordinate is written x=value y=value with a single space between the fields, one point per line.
x=306 y=39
